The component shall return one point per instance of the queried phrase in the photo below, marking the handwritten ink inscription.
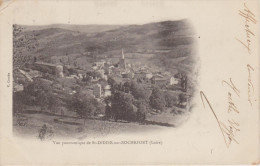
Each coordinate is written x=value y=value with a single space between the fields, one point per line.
x=250 y=86
x=249 y=17
x=249 y=21
x=231 y=105
x=229 y=128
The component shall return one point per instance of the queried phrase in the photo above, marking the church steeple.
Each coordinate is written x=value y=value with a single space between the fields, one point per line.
x=123 y=56
x=122 y=61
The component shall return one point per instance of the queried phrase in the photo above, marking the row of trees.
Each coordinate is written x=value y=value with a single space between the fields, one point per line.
x=131 y=101
x=42 y=93
x=86 y=106
x=128 y=101
x=24 y=44
x=37 y=93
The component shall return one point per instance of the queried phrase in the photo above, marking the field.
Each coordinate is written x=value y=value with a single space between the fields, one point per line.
x=72 y=127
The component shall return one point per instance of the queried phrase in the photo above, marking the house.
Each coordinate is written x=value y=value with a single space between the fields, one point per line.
x=49 y=68
x=99 y=63
x=80 y=75
x=87 y=92
x=164 y=80
x=148 y=75
x=101 y=72
x=174 y=81
x=107 y=70
x=107 y=90
x=94 y=67
x=116 y=71
x=159 y=81
x=64 y=59
x=140 y=74
x=105 y=77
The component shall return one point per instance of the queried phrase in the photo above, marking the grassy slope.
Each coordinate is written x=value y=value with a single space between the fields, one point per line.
x=162 y=35
x=176 y=36
x=92 y=127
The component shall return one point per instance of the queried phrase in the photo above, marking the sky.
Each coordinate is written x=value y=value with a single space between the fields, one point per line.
x=97 y=12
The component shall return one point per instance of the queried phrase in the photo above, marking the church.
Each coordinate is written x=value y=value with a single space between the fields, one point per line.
x=122 y=63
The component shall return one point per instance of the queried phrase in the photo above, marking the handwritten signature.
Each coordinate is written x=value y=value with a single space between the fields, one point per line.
x=229 y=129
x=231 y=104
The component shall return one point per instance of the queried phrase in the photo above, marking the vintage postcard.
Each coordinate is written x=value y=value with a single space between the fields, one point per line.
x=143 y=82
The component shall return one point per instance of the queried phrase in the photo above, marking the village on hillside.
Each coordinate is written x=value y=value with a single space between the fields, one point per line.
x=67 y=94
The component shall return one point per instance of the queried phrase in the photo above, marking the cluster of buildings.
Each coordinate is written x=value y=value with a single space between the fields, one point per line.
x=127 y=71
x=121 y=71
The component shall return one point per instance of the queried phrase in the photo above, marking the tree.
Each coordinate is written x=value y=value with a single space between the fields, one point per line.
x=157 y=100
x=138 y=91
x=93 y=74
x=86 y=79
x=24 y=44
x=108 y=109
x=39 y=91
x=122 y=106
x=182 y=99
x=54 y=103
x=170 y=99
x=22 y=98
x=85 y=106
x=127 y=87
x=19 y=99
x=112 y=83
x=65 y=71
x=142 y=109
x=184 y=83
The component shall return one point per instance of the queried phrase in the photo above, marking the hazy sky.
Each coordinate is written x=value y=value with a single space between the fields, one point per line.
x=99 y=12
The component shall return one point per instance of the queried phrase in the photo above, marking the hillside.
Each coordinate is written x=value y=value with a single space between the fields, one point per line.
x=60 y=40
x=78 y=28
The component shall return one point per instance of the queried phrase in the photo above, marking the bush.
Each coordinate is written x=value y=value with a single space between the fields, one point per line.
x=45 y=133
x=182 y=100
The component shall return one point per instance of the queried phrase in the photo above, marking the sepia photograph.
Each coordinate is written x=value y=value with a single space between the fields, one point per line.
x=119 y=82
x=80 y=81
